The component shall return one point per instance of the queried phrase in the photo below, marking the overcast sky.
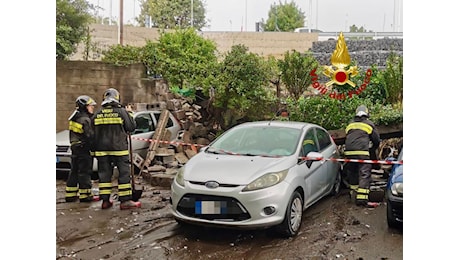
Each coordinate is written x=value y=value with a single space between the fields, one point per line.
x=326 y=15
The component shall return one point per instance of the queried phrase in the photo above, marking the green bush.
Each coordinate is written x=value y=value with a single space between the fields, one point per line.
x=335 y=114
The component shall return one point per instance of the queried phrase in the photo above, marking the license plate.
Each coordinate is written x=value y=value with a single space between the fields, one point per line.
x=210 y=207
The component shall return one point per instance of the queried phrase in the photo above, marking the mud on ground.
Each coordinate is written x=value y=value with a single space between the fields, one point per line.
x=334 y=228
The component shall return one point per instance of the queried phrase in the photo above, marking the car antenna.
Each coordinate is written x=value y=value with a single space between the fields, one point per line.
x=276 y=115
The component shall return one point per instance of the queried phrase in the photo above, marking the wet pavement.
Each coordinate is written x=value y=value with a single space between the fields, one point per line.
x=333 y=228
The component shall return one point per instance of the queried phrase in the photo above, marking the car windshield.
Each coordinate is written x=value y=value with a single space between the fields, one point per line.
x=257 y=141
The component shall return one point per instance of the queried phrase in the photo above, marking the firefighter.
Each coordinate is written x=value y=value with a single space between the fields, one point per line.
x=81 y=135
x=112 y=124
x=361 y=139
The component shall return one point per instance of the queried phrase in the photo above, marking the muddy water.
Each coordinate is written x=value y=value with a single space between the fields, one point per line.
x=332 y=229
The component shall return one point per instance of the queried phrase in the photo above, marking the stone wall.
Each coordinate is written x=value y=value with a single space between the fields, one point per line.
x=75 y=78
x=365 y=52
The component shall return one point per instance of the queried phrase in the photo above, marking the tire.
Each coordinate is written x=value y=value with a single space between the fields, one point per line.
x=337 y=184
x=293 y=217
x=391 y=221
x=344 y=176
x=182 y=223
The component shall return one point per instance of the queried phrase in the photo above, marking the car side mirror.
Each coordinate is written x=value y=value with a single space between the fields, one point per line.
x=313 y=157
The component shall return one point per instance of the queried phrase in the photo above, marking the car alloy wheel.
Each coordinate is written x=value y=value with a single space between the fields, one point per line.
x=293 y=216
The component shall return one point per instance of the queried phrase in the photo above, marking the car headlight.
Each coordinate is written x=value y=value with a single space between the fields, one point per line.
x=397 y=189
x=266 y=181
x=180 y=177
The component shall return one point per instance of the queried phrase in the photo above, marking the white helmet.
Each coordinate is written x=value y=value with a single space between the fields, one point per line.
x=362 y=111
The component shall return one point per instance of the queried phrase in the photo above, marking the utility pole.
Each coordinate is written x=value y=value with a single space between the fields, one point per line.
x=191 y=11
x=246 y=16
x=110 y=10
x=120 y=27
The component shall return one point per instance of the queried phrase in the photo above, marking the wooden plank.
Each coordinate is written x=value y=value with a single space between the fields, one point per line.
x=385 y=132
x=157 y=136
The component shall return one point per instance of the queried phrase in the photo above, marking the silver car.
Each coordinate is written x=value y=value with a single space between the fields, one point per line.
x=146 y=122
x=258 y=175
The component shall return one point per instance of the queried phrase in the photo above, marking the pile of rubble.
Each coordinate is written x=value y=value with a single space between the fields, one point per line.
x=164 y=157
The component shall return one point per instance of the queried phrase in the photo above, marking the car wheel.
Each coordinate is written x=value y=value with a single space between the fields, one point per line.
x=344 y=176
x=293 y=216
x=181 y=222
x=337 y=184
x=391 y=220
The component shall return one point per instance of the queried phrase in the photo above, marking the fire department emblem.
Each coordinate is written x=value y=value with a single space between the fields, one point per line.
x=340 y=60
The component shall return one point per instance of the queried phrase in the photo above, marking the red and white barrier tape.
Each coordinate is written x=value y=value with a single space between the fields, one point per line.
x=354 y=160
x=305 y=158
x=166 y=142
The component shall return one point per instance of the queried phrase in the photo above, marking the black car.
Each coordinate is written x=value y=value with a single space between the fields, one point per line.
x=394 y=194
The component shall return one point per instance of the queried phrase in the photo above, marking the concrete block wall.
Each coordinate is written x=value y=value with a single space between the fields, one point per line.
x=262 y=43
x=75 y=78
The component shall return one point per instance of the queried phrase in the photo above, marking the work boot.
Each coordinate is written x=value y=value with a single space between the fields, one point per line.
x=106 y=204
x=90 y=199
x=71 y=199
x=361 y=203
x=352 y=195
x=129 y=204
x=372 y=204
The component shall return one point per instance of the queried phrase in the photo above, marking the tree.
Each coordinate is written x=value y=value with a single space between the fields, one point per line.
x=284 y=17
x=171 y=14
x=355 y=28
x=185 y=59
x=393 y=78
x=72 y=20
x=295 y=71
x=241 y=87
x=122 y=55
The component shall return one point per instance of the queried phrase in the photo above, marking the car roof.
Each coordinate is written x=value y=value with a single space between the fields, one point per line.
x=290 y=124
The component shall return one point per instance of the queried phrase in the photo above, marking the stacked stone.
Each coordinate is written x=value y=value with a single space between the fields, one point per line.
x=365 y=52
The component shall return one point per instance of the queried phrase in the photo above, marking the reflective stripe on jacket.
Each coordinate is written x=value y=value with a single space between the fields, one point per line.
x=359 y=133
x=111 y=124
x=81 y=132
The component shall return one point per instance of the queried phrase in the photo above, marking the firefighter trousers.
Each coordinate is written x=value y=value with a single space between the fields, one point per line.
x=359 y=176
x=105 y=169
x=79 y=180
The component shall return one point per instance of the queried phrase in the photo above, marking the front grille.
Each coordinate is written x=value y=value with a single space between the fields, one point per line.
x=229 y=209
x=62 y=148
x=203 y=183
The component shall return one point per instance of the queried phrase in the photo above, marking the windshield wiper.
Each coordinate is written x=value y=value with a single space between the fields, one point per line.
x=214 y=151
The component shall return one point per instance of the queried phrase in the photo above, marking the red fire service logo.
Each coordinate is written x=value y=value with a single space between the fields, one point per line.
x=340 y=73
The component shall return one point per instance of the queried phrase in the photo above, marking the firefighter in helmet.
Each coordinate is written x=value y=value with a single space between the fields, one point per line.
x=111 y=125
x=81 y=136
x=362 y=138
